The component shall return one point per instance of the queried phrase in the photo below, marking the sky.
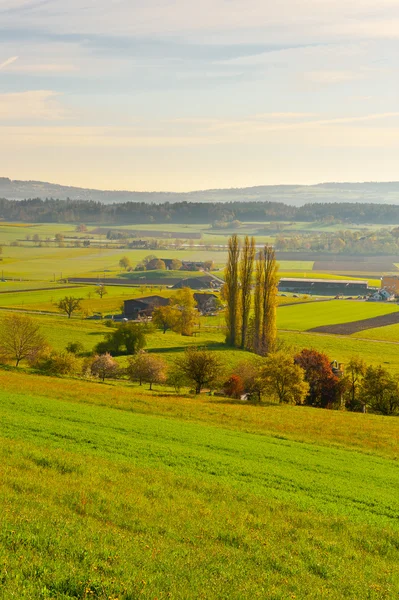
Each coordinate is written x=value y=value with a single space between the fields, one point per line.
x=183 y=95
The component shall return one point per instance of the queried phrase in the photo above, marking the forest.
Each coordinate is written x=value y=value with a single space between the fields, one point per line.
x=50 y=210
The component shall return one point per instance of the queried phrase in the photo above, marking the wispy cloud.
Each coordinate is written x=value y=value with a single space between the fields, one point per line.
x=33 y=105
x=8 y=62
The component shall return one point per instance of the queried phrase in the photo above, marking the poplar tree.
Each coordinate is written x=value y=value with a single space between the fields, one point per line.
x=258 y=304
x=232 y=290
x=269 y=300
x=246 y=268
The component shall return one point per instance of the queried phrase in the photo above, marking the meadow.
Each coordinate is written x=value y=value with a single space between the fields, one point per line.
x=114 y=492
x=104 y=498
x=308 y=316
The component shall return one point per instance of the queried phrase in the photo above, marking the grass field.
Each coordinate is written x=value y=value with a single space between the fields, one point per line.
x=46 y=300
x=103 y=501
x=308 y=316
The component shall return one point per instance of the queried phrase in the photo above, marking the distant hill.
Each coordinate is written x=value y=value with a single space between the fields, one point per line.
x=295 y=195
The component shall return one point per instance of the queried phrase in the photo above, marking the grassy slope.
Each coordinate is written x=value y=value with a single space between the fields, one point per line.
x=103 y=503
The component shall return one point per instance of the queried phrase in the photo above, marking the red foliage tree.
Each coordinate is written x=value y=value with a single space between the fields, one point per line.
x=324 y=386
x=234 y=387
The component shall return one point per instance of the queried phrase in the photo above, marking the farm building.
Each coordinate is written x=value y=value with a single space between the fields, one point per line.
x=200 y=283
x=324 y=287
x=391 y=283
x=143 y=307
x=206 y=303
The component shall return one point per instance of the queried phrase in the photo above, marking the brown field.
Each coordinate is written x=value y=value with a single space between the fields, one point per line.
x=357 y=326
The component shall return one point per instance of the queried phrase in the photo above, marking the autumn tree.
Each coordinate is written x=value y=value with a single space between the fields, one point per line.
x=20 y=338
x=234 y=387
x=324 y=386
x=283 y=379
x=379 y=391
x=231 y=291
x=101 y=290
x=156 y=264
x=103 y=366
x=147 y=368
x=125 y=263
x=249 y=371
x=354 y=373
x=69 y=305
x=176 y=264
x=165 y=317
x=246 y=269
x=199 y=366
x=184 y=303
x=269 y=300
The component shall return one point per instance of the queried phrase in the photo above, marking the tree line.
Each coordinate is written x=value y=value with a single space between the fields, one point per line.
x=307 y=377
x=51 y=210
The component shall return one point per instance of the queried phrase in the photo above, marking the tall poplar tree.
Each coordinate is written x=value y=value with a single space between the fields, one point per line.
x=258 y=304
x=246 y=268
x=269 y=300
x=232 y=291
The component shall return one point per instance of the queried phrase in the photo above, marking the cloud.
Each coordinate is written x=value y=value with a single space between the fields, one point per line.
x=8 y=62
x=346 y=131
x=43 y=68
x=32 y=105
x=249 y=20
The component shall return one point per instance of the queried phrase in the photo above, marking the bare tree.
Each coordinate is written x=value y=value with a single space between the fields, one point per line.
x=232 y=290
x=246 y=268
x=20 y=338
x=69 y=305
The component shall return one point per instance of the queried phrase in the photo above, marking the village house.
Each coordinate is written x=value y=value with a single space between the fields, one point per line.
x=140 y=308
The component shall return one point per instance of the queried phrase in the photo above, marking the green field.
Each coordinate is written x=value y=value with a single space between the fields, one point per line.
x=103 y=501
x=308 y=316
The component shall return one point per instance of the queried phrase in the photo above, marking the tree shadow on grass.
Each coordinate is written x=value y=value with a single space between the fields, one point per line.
x=165 y=350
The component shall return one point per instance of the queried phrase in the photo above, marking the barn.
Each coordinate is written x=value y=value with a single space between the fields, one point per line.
x=143 y=307
x=324 y=287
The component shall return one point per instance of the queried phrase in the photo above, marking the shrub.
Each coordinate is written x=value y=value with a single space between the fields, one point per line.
x=75 y=348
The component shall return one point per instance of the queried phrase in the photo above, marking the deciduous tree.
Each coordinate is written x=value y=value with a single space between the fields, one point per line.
x=199 y=366
x=126 y=338
x=324 y=386
x=147 y=368
x=183 y=302
x=69 y=305
x=284 y=380
x=246 y=269
x=380 y=391
x=101 y=290
x=125 y=263
x=20 y=338
x=166 y=317
x=104 y=366
x=231 y=291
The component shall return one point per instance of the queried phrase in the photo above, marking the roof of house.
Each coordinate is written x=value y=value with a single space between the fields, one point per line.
x=198 y=283
x=149 y=301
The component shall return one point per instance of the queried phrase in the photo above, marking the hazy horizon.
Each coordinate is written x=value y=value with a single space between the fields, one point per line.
x=180 y=96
